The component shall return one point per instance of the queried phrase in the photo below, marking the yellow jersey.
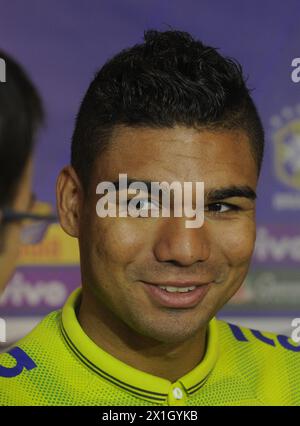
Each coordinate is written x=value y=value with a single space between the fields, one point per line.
x=58 y=364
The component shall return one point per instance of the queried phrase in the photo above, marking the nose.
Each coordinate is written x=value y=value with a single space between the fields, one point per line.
x=181 y=245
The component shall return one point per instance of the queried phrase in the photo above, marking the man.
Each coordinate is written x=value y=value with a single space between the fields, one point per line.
x=142 y=331
x=21 y=114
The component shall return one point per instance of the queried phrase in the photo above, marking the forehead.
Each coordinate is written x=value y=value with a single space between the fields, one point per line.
x=179 y=153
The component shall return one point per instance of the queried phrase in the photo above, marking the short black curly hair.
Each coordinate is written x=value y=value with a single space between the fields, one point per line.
x=169 y=79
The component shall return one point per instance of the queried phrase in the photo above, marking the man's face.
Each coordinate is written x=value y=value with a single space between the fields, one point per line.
x=124 y=259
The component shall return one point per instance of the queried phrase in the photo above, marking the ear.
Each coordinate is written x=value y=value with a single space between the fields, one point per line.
x=69 y=196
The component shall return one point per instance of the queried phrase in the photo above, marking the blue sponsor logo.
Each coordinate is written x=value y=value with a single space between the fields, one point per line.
x=23 y=362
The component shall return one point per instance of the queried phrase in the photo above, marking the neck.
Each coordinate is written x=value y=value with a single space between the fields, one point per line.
x=167 y=360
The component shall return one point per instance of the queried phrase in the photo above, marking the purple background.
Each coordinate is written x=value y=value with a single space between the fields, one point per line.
x=38 y=290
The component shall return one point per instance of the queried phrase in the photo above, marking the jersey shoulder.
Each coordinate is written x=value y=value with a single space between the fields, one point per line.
x=241 y=337
x=266 y=363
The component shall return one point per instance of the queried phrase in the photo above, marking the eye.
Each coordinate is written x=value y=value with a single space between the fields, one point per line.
x=143 y=204
x=222 y=207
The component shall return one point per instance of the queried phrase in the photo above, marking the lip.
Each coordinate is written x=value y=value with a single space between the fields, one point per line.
x=179 y=283
x=189 y=299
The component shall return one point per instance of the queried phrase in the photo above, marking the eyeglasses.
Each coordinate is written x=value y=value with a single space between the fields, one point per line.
x=35 y=222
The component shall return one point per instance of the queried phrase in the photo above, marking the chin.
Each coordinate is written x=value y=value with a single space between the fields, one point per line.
x=174 y=332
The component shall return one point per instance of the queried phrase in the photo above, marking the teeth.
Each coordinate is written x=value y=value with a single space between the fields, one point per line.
x=177 y=289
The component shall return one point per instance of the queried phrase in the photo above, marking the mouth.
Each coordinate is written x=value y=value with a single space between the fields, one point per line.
x=177 y=294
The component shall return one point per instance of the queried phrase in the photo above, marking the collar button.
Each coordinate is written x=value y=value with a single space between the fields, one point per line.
x=177 y=393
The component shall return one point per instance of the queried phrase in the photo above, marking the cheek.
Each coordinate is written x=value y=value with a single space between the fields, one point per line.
x=120 y=241
x=237 y=242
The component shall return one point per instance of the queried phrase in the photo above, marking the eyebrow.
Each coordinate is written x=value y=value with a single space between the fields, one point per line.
x=145 y=182
x=243 y=191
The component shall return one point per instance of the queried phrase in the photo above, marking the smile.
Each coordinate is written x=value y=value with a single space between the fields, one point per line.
x=171 y=289
x=176 y=296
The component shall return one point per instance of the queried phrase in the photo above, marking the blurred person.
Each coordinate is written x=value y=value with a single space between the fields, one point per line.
x=21 y=114
x=142 y=330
